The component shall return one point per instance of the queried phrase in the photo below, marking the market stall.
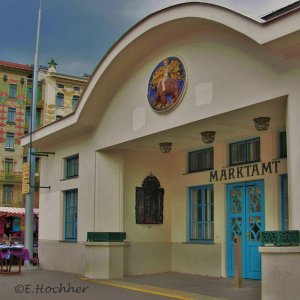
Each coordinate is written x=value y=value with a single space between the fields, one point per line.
x=12 y=223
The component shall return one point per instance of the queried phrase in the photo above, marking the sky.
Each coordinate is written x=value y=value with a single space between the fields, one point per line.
x=78 y=33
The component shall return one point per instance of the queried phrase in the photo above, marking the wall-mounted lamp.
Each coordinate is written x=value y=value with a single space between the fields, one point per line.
x=262 y=123
x=165 y=147
x=208 y=137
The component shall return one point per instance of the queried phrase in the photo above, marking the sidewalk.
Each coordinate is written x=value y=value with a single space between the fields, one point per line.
x=44 y=284
x=201 y=285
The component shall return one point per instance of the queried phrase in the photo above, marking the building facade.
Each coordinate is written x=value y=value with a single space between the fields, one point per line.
x=15 y=90
x=62 y=92
x=16 y=99
x=221 y=91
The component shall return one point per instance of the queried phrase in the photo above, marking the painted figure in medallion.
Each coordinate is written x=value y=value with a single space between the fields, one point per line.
x=166 y=84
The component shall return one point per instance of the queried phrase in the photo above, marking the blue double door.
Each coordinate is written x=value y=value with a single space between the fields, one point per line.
x=245 y=218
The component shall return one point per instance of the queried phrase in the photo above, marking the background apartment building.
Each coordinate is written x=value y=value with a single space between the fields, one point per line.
x=57 y=96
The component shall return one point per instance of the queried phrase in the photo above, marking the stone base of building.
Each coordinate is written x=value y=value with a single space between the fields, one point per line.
x=108 y=260
x=280 y=273
x=62 y=256
x=104 y=260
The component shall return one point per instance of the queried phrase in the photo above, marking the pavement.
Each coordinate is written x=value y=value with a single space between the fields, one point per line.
x=37 y=284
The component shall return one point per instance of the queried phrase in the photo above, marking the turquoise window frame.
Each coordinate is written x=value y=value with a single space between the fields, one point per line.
x=282 y=144
x=284 y=202
x=72 y=166
x=198 y=158
x=71 y=210
x=245 y=152
x=201 y=214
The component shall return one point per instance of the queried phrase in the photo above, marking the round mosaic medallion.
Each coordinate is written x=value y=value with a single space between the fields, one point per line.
x=166 y=84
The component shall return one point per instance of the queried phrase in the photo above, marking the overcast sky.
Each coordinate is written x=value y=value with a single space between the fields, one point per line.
x=77 y=33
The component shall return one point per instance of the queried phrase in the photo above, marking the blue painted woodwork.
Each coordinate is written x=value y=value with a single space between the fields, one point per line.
x=284 y=202
x=245 y=218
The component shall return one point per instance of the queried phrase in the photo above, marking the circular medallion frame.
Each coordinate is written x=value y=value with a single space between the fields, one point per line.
x=167 y=84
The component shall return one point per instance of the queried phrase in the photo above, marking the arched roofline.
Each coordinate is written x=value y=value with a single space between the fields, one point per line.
x=258 y=30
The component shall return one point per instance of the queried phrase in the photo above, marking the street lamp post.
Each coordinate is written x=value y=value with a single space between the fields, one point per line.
x=29 y=197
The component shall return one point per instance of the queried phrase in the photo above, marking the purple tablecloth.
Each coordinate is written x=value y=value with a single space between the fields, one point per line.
x=18 y=252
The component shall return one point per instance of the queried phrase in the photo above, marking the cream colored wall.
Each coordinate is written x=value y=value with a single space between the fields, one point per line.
x=280 y=273
x=209 y=58
x=65 y=257
x=211 y=259
x=137 y=166
x=148 y=247
x=293 y=140
x=51 y=201
x=107 y=179
x=109 y=192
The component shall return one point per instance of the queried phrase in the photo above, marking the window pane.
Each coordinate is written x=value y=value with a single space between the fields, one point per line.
x=9 y=166
x=60 y=99
x=285 y=202
x=10 y=141
x=245 y=152
x=194 y=231
x=12 y=90
x=253 y=150
x=199 y=233
x=194 y=197
x=29 y=92
x=201 y=213
x=193 y=214
x=72 y=166
x=283 y=147
x=75 y=100
x=71 y=214
x=209 y=230
x=11 y=115
x=7 y=199
x=241 y=153
x=200 y=160
x=68 y=230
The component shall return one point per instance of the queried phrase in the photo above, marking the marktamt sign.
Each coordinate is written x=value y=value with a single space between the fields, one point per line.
x=244 y=171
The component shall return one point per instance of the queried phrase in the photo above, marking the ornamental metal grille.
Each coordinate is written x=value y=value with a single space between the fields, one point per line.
x=280 y=238
x=149 y=202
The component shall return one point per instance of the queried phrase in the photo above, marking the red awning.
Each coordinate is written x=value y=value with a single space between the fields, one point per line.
x=15 y=211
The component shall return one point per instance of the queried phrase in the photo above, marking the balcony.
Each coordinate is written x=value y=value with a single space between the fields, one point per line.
x=40 y=102
x=26 y=126
x=13 y=203
x=11 y=178
x=16 y=178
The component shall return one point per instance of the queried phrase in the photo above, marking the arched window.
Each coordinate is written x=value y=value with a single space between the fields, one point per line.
x=75 y=100
x=60 y=99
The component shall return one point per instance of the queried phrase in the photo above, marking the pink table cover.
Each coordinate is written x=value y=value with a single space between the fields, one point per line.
x=18 y=252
